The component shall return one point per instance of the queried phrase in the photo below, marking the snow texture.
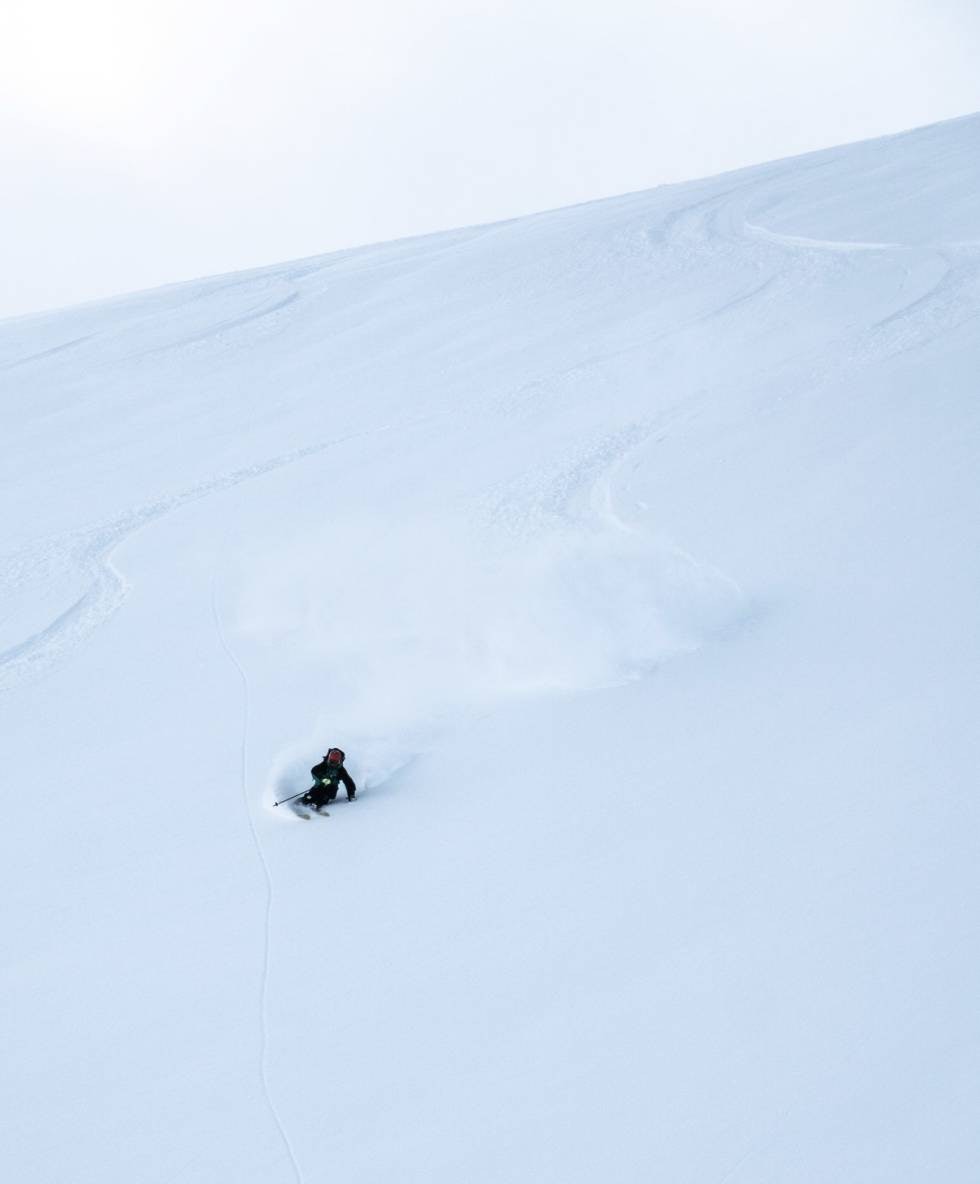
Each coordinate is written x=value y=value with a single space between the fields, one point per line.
x=630 y=551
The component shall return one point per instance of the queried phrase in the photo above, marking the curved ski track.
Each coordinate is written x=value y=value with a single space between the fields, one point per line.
x=937 y=276
x=92 y=548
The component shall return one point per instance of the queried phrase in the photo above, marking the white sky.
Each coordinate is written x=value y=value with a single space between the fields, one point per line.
x=143 y=141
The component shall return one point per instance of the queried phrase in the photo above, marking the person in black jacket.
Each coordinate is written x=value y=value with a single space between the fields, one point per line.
x=327 y=778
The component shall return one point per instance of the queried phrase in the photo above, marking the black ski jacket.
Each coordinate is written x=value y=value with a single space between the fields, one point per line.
x=324 y=772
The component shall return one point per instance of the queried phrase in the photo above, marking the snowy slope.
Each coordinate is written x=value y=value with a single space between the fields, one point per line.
x=630 y=550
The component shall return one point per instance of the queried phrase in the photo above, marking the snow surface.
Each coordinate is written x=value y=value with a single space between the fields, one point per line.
x=630 y=550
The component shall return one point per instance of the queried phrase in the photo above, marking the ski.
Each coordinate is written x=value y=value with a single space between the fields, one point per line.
x=302 y=812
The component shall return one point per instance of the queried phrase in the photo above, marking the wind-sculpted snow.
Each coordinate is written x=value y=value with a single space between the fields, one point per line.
x=629 y=552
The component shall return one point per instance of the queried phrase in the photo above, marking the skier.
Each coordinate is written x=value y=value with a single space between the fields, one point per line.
x=327 y=776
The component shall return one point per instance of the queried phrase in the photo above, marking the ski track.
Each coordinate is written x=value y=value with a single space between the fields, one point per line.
x=948 y=272
x=217 y=330
x=713 y=226
x=47 y=353
x=92 y=548
x=269 y=897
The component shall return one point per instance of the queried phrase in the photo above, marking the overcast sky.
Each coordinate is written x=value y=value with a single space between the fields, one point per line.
x=143 y=141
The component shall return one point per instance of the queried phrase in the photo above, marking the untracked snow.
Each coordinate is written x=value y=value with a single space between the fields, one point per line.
x=630 y=551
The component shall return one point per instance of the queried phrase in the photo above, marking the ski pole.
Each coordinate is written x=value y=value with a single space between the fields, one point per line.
x=285 y=800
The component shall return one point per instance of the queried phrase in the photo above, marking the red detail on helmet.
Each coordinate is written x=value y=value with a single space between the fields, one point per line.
x=335 y=757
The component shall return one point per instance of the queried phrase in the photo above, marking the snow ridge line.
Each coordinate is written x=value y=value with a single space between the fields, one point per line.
x=264 y=989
